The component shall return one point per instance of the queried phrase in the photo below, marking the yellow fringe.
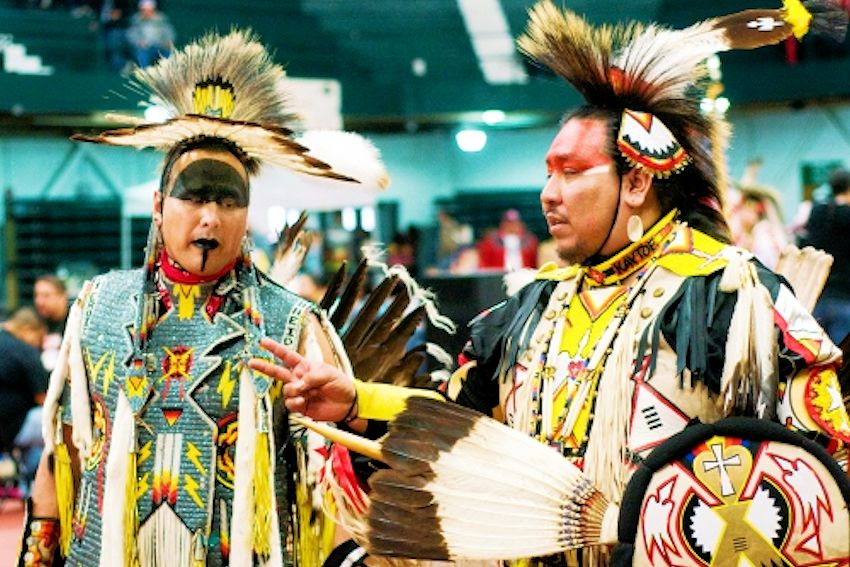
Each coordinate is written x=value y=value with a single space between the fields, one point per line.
x=64 y=479
x=262 y=497
x=131 y=514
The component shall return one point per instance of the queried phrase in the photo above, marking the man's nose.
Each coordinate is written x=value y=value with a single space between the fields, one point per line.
x=210 y=214
x=550 y=192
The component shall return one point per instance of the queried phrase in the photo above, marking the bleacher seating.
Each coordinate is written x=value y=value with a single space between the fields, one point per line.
x=63 y=41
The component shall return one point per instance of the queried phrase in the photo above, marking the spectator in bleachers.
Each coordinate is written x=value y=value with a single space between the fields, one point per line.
x=150 y=34
x=510 y=247
x=23 y=383
x=755 y=219
x=826 y=229
x=51 y=302
x=453 y=237
x=114 y=20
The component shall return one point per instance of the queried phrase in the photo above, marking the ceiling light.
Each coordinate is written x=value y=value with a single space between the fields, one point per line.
x=349 y=219
x=471 y=140
x=491 y=39
x=419 y=67
x=368 y=222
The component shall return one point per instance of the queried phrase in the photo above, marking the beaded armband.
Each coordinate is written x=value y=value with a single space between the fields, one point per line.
x=40 y=542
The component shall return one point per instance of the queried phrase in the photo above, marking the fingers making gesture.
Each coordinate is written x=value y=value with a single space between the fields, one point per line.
x=311 y=387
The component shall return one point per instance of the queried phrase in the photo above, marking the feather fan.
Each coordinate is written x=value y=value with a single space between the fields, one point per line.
x=376 y=335
x=463 y=486
x=351 y=153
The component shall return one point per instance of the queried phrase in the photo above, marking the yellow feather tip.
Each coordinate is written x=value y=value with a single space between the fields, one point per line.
x=798 y=16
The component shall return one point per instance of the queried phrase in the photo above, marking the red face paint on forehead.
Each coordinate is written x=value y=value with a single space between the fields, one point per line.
x=580 y=145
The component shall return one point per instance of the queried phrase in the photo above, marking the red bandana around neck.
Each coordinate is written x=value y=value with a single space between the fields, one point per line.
x=181 y=276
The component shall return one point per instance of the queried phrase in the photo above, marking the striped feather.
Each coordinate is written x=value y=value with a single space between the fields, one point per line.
x=463 y=486
x=292 y=246
x=359 y=327
x=350 y=295
x=334 y=286
x=655 y=65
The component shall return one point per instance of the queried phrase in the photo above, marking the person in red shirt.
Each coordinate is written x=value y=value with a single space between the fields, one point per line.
x=510 y=247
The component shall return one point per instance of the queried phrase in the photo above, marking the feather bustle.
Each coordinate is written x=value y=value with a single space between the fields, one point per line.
x=405 y=373
x=350 y=295
x=376 y=359
x=385 y=325
x=332 y=291
x=292 y=246
x=360 y=326
x=289 y=236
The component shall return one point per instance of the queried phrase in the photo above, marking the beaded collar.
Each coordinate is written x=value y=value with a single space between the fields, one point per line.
x=635 y=256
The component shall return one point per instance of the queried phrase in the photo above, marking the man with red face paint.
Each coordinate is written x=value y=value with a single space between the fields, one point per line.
x=656 y=323
x=163 y=447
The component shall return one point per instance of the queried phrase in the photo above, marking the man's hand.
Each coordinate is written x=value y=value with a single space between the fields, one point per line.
x=311 y=387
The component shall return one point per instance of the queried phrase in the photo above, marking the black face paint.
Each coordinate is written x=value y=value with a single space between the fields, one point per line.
x=211 y=181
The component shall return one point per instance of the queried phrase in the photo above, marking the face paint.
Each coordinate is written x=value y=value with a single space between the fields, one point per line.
x=211 y=180
x=203 y=212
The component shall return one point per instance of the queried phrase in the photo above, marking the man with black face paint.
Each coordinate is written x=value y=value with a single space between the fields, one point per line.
x=164 y=448
x=205 y=198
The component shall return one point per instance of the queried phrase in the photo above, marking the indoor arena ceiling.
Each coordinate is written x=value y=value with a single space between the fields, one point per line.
x=413 y=63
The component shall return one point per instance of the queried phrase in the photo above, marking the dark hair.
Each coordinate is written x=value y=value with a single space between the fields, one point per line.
x=252 y=166
x=693 y=191
x=53 y=280
x=839 y=180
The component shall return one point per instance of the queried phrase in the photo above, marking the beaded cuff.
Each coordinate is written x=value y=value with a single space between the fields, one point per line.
x=40 y=540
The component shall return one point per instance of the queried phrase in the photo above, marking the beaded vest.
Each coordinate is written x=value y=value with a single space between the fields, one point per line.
x=188 y=422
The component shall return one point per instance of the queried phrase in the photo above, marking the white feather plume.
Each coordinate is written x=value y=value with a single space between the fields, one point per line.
x=349 y=152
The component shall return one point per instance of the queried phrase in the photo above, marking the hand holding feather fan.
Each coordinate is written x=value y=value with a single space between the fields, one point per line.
x=464 y=486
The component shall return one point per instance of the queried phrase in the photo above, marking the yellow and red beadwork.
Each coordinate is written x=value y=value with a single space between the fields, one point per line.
x=40 y=542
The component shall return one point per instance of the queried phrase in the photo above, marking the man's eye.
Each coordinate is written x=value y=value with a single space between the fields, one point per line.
x=229 y=203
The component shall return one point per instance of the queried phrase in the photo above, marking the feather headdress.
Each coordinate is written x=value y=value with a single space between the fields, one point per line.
x=224 y=87
x=649 y=70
